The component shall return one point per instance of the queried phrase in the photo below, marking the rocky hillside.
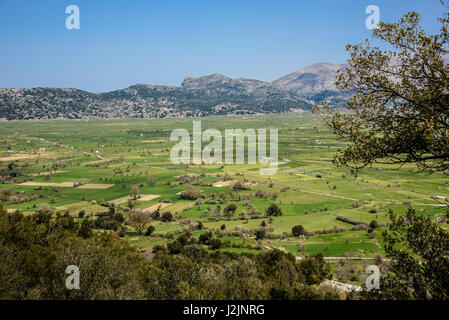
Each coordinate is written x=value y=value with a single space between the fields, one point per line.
x=209 y=95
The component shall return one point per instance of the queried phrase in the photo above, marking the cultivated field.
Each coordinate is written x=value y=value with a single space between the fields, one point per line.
x=84 y=165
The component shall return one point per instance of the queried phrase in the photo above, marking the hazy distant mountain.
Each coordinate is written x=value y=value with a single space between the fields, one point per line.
x=314 y=82
x=217 y=84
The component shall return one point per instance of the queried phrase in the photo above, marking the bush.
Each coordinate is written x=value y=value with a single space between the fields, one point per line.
x=260 y=234
x=81 y=214
x=149 y=231
x=190 y=194
x=229 y=209
x=119 y=217
x=374 y=224
x=215 y=244
x=205 y=238
x=273 y=210
x=298 y=231
x=167 y=217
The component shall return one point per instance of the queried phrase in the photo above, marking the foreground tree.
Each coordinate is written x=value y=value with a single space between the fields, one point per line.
x=400 y=103
x=419 y=253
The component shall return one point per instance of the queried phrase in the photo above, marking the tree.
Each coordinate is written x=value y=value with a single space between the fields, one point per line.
x=419 y=253
x=167 y=217
x=273 y=210
x=134 y=193
x=298 y=231
x=399 y=110
x=205 y=238
x=190 y=193
x=149 y=231
x=229 y=210
x=215 y=244
x=85 y=229
x=131 y=203
x=139 y=220
x=260 y=234
x=151 y=181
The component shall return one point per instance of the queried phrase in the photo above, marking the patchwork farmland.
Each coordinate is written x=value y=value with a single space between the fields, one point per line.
x=88 y=169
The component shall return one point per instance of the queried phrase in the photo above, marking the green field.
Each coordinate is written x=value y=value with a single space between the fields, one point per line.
x=124 y=154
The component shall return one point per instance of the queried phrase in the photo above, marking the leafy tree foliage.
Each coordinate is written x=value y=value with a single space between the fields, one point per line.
x=419 y=253
x=35 y=251
x=273 y=210
x=298 y=231
x=399 y=108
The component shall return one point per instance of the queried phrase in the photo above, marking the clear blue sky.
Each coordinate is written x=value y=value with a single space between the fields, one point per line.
x=122 y=43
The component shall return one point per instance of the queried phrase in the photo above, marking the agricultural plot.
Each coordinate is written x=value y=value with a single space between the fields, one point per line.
x=90 y=168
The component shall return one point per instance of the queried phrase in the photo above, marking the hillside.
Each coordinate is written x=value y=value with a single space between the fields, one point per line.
x=204 y=96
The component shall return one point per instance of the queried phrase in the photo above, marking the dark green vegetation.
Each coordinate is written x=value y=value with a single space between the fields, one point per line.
x=35 y=251
x=419 y=252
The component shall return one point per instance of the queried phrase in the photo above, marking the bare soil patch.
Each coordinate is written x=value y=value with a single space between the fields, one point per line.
x=143 y=197
x=154 y=207
x=67 y=184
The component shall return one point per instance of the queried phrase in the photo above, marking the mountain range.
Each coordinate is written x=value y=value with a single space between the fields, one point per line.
x=208 y=95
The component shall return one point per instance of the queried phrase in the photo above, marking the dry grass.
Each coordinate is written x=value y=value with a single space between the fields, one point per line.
x=95 y=186
x=67 y=184
x=45 y=173
x=154 y=207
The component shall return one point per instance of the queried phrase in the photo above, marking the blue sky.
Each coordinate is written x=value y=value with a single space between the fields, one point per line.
x=121 y=43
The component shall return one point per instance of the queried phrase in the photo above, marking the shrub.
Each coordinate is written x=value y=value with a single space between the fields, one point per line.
x=190 y=193
x=167 y=217
x=81 y=214
x=230 y=209
x=149 y=231
x=298 y=231
x=215 y=244
x=273 y=210
x=260 y=234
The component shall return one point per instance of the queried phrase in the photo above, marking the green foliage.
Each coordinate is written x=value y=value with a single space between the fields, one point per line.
x=273 y=210
x=260 y=234
x=190 y=193
x=419 y=253
x=35 y=251
x=229 y=210
x=215 y=244
x=399 y=107
x=298 y=231
x=167 y=217
x=149 y=231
